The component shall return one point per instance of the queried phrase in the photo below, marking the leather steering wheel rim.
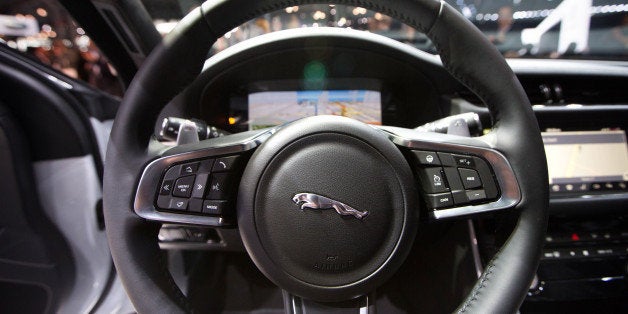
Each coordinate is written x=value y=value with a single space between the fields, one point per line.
x=465 y=53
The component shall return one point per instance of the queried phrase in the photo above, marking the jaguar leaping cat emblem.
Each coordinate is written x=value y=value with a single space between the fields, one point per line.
x=315 y=201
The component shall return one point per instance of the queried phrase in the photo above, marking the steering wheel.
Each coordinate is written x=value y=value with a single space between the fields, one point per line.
x=327 y=207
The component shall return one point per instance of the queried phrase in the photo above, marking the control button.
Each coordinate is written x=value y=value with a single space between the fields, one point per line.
x=427 y=158
x=572 y=253
x=460 y=197
x=464 y=161
x=488 y=180
x=189 y=168
x=183 y=186
x=224 y=163
x=605 y=252
x=198 y=190
x=551 y=254
x=206 y=165
x=439 y=200
x=163 y=202
x=446 y=159
x=178 y=204
x=166 y=187
x=218 y=188
x=214 y=207
x=432 y=180
x=195 y=205
x=172 y=173
x=453 y=178
x=476 y=195
x=470 y=178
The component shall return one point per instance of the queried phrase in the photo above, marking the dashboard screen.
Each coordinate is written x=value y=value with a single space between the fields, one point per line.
x=273 y=108
x=587 y=160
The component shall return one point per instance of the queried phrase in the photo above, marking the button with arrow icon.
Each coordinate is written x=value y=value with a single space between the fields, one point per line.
x=199 y=185
x=166 y=187
x=189 y=168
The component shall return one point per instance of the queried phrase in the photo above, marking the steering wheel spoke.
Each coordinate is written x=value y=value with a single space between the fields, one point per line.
x=196 y=183
x=296 y=305
x=458 y=176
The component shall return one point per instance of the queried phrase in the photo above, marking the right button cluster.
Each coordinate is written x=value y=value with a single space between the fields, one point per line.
x=449 y=179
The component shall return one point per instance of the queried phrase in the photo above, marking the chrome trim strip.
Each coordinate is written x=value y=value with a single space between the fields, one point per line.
x=506 y=180
x=369 y=305
x=148 y=186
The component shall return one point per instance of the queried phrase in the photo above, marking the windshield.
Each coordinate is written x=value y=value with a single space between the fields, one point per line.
x=568 y=29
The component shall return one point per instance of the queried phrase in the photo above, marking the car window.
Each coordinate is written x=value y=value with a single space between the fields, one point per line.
x=575 y=29
x=44 y=30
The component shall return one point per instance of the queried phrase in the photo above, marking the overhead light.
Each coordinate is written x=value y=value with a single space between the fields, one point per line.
x=41 y=12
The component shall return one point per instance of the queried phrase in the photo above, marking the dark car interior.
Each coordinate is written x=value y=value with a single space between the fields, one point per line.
x=399 y=165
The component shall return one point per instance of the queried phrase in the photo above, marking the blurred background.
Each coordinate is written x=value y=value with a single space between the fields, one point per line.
x=568 y=29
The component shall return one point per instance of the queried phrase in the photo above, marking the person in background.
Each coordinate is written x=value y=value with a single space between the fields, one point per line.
x=276 y=24
x=508 y=45
x=504 y=24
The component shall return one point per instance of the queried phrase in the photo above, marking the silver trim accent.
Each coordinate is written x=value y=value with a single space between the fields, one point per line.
x=506 y=180
x=369 y=304
x=315 y=201
x=150 y=180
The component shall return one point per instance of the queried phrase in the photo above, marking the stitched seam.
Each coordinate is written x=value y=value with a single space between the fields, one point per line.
x=437 y=19
x=479 y=287
x=455 y=73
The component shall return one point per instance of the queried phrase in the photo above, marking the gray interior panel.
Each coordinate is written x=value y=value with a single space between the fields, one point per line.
x=69 y=190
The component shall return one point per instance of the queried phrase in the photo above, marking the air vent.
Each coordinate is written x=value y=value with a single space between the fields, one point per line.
x=583 y=90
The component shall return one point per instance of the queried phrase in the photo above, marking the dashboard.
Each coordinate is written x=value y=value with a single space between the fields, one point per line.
x=580 y=106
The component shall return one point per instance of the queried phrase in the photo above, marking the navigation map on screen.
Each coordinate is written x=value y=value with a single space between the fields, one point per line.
x=277 y=107
x=591 y=156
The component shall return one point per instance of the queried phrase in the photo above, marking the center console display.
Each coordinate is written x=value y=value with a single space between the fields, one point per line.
x=266 y=109
x=585 y=161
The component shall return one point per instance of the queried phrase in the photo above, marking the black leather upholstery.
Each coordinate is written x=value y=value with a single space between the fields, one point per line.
x=465 y=53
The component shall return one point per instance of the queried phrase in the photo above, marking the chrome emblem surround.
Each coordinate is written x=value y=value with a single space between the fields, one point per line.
x=315 y=201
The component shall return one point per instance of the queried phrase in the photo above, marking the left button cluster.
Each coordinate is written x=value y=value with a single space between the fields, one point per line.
x=202 y=187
